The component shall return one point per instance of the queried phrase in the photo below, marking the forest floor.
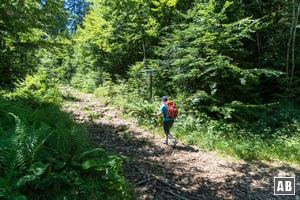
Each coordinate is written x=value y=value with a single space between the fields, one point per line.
x=181 y=172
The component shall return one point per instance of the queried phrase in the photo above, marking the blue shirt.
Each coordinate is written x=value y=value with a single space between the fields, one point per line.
x=164 y=109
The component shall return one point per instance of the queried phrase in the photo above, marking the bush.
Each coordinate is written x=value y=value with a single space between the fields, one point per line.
x=247 y=131
x=86 y=82
x=38 y=88
x=45 y=155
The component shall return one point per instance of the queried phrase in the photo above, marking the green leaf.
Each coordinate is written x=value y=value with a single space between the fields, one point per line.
x=97 y=164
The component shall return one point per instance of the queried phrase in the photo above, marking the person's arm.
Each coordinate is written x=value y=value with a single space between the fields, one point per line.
x=159 y=113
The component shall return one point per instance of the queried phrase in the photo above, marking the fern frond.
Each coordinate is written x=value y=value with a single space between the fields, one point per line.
x=19 y=140
x=79 y=139
x=20 y=127
x=34 y=172
x=27 y=144
x=6 y=149
x=97 y=152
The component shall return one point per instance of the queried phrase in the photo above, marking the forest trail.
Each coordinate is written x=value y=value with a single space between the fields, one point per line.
x=158 y=171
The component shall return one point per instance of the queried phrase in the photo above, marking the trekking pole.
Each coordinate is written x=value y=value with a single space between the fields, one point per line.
x=154 y=122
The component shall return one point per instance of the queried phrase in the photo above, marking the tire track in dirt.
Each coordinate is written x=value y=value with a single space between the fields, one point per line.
x=158 y=171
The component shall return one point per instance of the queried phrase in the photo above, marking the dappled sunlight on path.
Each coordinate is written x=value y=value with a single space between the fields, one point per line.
x=158 y=171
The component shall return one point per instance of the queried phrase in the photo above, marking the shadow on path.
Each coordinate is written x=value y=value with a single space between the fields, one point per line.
x=165 y=172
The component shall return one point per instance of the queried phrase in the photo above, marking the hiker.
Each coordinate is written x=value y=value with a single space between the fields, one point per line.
x=167 y=120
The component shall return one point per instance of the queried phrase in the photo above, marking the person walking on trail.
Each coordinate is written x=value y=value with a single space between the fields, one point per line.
x=167 y=120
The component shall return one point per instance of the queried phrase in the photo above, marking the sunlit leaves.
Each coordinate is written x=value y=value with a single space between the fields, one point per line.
x=151 y=28
x=168 y=3
x=203 y=52
x=26 y=27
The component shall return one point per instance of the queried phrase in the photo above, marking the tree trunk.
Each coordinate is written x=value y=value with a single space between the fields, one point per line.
x=294 y=40
x=258 y=46
x=290 y=40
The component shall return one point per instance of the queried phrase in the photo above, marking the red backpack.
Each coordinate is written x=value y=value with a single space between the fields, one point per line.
x=172 y=109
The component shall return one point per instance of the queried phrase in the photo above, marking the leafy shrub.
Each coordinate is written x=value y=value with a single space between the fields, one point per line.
x=137 y=82
x=39 y=88
x=45 y=155
x=86 y=82
x=271 y=132
x=244 y=130
x=108 y=90
x=142 y=110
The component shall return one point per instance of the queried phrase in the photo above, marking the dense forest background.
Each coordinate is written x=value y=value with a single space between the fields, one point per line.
x=232 y=67
x=217 y=51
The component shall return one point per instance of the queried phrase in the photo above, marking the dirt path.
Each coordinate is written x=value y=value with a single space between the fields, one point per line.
x=165 y=172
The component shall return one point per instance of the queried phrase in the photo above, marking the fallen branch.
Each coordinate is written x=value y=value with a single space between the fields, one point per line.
x=153 y=163
x=177 y=195
x=174 y=186
x=143 y=181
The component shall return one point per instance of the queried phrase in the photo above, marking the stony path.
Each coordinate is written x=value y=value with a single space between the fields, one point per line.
x=165 y=172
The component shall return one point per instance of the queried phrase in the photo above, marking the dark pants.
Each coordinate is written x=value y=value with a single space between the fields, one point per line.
x=167 y=126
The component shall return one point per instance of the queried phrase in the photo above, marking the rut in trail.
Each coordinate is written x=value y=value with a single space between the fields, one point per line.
x=165 y=172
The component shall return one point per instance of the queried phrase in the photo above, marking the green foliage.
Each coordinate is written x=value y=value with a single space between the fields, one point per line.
x=222 y=62
x=138 y=80
x=86 y=82
x=108 y=167
x=25 y=150
x=246 y=131
x=108 y=90
x=266 y=138
x=130 y=103
x=27 y=27
x=119 y=37
x=204 y=49
x=45 y=155
x=142 y=110
x=38 y=88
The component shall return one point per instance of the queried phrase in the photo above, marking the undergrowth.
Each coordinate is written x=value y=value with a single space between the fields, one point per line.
x=46 y=155
x=267 y=132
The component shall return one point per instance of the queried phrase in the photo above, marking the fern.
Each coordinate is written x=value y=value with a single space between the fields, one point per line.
x=142 y=110
x=6 y=148
x=21 y=141
x=18 y=156
x=34 y=172
x=40 y=151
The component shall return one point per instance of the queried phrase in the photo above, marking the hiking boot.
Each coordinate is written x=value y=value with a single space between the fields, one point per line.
x=165 y=142
x=174 y=141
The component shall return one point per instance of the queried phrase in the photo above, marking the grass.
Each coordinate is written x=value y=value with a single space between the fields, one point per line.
x=271 y=137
